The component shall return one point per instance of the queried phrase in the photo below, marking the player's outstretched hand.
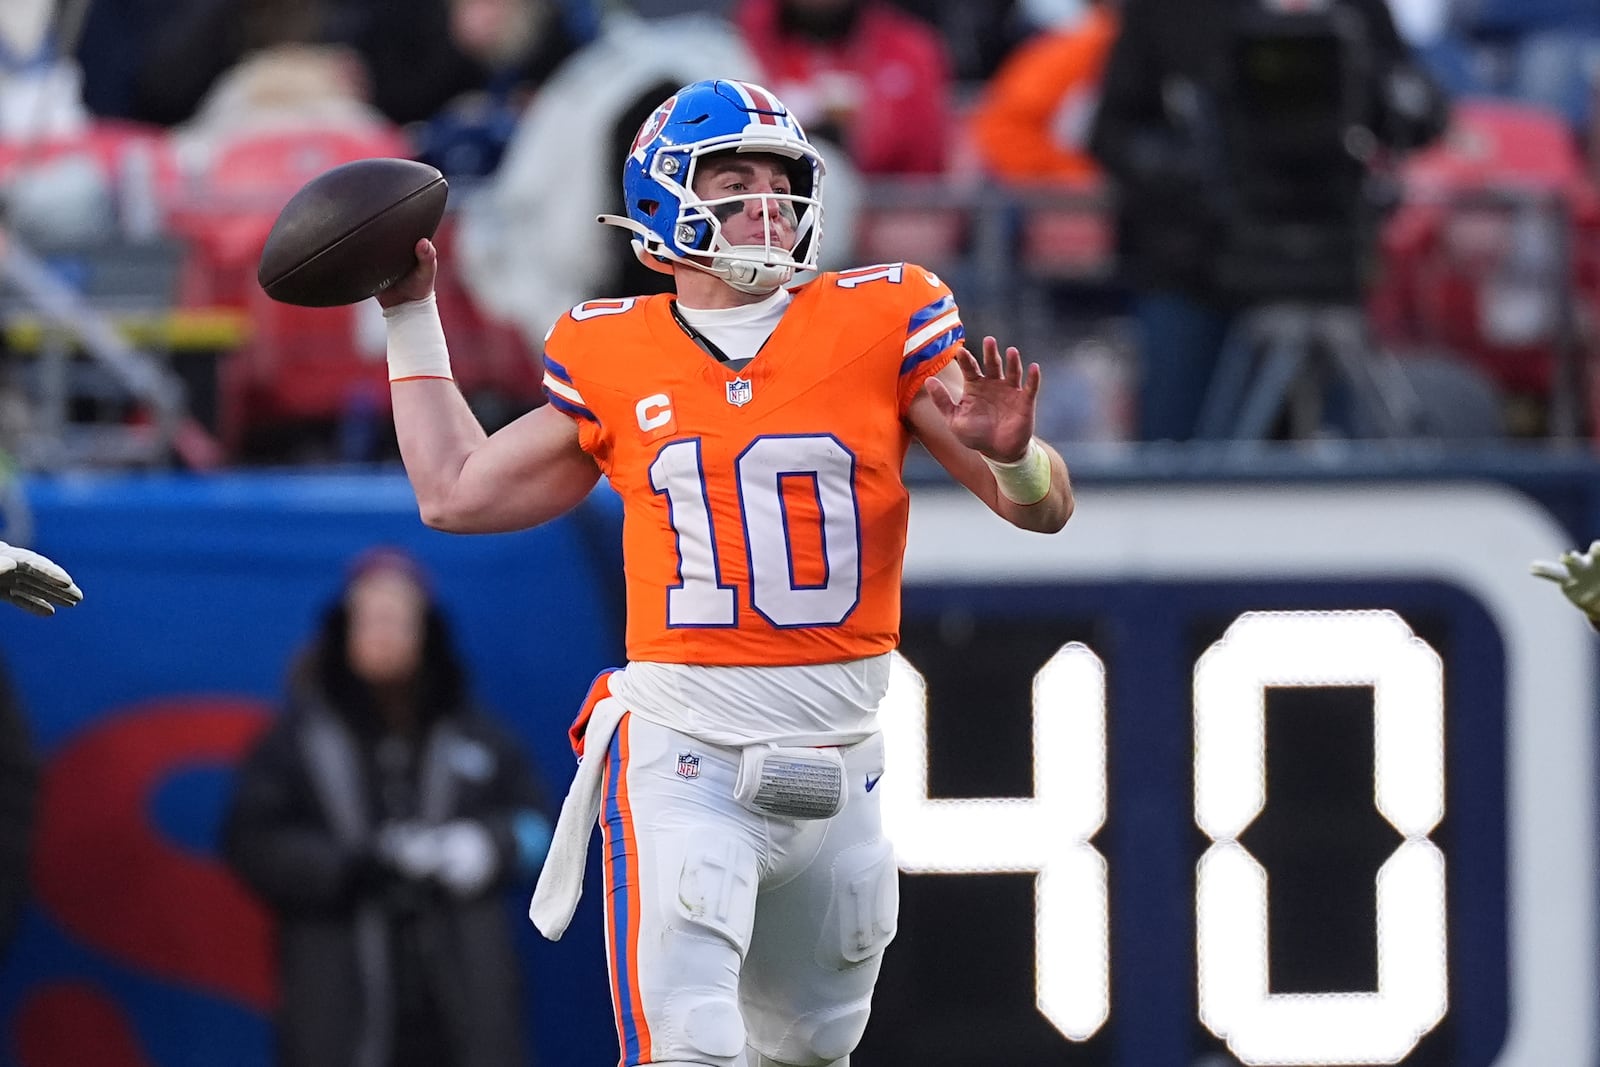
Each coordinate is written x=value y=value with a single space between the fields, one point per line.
x=34 y=583
x=418 y=283
x=1577 y=576
x=995 y=413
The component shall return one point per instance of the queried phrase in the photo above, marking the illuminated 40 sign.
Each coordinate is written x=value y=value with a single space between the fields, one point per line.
x=1289 y=777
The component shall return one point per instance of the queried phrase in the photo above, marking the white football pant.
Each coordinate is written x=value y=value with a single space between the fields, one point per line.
x=727 y=929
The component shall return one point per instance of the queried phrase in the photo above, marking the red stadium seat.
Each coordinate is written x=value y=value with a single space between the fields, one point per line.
x=305 y=367
x=487 y=356
x=228 y=209
x=931 y=236
x=1067 y=243
x=109 y=142
x=299 y=366
x=1478 y=245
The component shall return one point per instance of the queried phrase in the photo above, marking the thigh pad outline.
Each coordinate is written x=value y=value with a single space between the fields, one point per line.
x=864 y=912
x=716 y=888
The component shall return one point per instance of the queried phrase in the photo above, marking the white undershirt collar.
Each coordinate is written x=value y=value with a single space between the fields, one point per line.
x=739 y=331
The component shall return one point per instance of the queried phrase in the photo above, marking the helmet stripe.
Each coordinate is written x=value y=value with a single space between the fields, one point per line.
x=761 y=102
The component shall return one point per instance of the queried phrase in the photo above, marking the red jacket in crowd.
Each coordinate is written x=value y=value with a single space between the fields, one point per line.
x=881 y=88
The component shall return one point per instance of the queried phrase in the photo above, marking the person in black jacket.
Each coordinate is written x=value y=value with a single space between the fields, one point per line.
x=380 y=818
x=1179 y=132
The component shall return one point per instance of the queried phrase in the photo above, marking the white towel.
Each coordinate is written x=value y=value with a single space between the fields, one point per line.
x=555 y=898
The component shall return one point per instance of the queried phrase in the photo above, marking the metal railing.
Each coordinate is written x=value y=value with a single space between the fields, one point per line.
x=56 y=379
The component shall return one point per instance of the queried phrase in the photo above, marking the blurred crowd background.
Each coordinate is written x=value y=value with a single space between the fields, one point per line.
x=147 y=145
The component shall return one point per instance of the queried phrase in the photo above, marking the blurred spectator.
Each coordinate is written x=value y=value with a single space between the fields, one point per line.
x=1422 y=22
x=419 y=55
x=194 y=42
x=61 y=167
x=19 y=786
x=516 y=45
x=40 y=88
x=859 y=73
x=979 y=37
x=423 y=54
x=110 y=49
x=1491 y=258
x=282 y=88
x=1553 y=52
x=1434 y=30
x=379 y=818
x=1032 y=119
x=662 y=9
x=1540 y=52
x=529 y=244
x=57 y=196
x=1201 y=191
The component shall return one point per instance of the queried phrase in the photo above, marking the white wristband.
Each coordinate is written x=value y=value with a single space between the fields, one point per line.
x=1027 y=481
x=417 y=347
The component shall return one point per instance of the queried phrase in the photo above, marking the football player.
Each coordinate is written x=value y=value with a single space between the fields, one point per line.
x=34 y=583
x=756 y=433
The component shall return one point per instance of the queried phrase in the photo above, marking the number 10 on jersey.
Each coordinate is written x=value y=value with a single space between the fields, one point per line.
x=702 y=597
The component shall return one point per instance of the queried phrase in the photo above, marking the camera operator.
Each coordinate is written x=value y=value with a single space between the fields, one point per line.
x=1241 y=136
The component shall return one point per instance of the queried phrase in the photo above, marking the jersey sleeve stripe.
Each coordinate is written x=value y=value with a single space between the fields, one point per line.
x=552 y=368
x=562 y=389
x=575 y=410
x=564 y=396
x=944 y=323
x=935 y=310
x=953 y=336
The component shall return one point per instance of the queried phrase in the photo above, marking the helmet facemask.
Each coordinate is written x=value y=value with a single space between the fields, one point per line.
x=759 y=268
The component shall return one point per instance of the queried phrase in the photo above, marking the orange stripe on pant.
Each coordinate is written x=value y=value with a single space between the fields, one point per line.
x=622 y=903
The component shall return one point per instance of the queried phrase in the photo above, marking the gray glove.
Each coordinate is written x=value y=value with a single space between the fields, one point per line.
x=1577 y=576
x=34 y=583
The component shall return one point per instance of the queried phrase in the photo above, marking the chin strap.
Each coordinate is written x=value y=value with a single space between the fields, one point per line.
x=757 y=279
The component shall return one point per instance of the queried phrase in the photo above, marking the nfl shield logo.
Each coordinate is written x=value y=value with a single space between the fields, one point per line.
x=688 y=765
x=739 y=392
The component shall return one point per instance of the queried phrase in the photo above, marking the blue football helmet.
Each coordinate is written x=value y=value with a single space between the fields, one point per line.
x=670 y=224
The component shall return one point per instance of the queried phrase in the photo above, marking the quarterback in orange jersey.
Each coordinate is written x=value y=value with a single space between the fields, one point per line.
x=756 y=431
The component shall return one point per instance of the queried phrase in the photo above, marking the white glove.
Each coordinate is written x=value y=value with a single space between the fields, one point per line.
x=410 y=848
x=459 y=855
x=1578 y=577
x=34 y=583
x=467 y=856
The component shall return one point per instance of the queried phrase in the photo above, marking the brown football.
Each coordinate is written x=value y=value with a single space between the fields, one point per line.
x=351 y=231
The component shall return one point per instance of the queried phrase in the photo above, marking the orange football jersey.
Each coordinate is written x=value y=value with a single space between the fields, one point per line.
x=764 y=510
